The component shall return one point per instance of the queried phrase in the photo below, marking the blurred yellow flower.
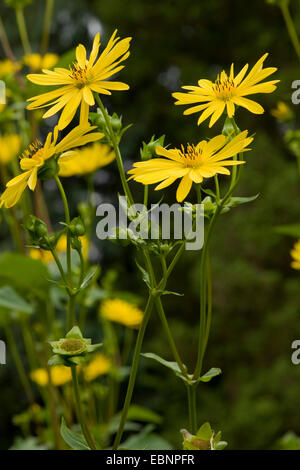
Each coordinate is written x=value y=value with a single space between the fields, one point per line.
x=119 y=311
x=227 y=92
x=10 y=146
x=8 y=67
x=81 y=79
x=85 y=160
x=282 y=112
x=46 y=256
x=60 y=375
x=100 y=365
x=34 y=158
x=192 y=164
x=38 y=62
x=295 y=254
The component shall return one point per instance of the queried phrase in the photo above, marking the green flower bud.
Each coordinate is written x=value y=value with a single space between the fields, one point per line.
x=148 y=150
x=36 y=227
x=72 y=349
x=205 y=439
x=77 y=227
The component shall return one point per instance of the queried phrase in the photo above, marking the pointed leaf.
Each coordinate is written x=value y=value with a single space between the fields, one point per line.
x=213 y=372
x=74 y=440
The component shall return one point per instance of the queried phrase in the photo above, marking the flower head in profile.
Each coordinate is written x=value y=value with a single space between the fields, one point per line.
x=72 y=349
x=191 y=164
x=295 y=254
x=212 y=98
x=84 y=76
x=86 y=160
x=33 y=159
x=10 y=146
x=39 y=62
x=120 y=311
x=60 y=375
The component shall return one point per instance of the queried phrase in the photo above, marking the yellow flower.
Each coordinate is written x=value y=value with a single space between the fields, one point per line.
x=119 y=311
x=34 y=158
x=100 y=365
x=191 y=164
x=86 y=160
x=10 y=146
x=81 y=79
x=38 y=62
x=295 y=254
x=60 y=375
x=282 y=112
x=227 y=92
x=8 y=67
x=61 y=247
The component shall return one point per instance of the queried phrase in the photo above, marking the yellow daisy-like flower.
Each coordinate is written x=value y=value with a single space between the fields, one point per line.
x=8 y=67
x=86 y=160
x=61 y=247
x=60 y=375
x=10 y=146
x=282 y=112
x=295 y=254
x=38 y=62
x=119 y=311
x=82 y=79
x=227 y=92
x=34 y=158
x=100 y=365
x=190 y=164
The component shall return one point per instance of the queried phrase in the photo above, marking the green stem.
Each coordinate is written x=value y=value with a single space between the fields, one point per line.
x=68 y=220
x=23 y=30
x=18 y=362
x=290 y=26
x=71 y=319
x=133 y=371
x=79 y=412
x=47 y=26
x=117 y=151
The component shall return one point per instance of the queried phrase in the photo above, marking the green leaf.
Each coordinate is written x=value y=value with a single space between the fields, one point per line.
x=205 y=432
x=139 y=413
x=10 y=300
x=292 y=230
x=145 y=440
x=74 y=440
x=90 y=277
x=25 y=273
x=236 y=201
x=213 y=372
x=145 y=275
x=169 y=292
x=170 y=365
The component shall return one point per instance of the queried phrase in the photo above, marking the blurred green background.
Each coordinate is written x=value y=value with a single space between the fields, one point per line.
x=256 y=313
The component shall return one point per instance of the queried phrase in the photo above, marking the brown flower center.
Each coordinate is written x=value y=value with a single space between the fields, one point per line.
x=224 y=87
x=72 y=345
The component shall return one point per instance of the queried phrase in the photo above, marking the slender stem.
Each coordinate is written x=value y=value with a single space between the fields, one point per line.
x=290 y=26
x=209 y=301
x=203 y=272
x=23 y=30
x=59 y=265
x=217 y=186
x=194 y=408
x=18 y=362
x=133 y=371
x=117 y=151
x=146 y=194
x=67 y=217
x=71 y=312
x=163 y=319
x=79 y=412
x=47 y=26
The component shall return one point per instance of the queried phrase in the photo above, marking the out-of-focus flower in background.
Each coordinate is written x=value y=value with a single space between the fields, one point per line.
x=86 y=160
x=10 y=147
x=295 y=254
x=99 y=365
x=282 y=112
x=60 y=375
x=38 y=62
x=120 y=311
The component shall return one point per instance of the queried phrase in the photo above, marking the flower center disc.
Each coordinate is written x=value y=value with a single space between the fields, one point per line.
x=72 y=345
